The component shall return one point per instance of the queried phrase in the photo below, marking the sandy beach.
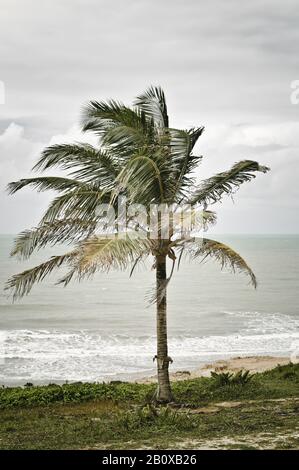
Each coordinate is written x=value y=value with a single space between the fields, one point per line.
x=252 y=363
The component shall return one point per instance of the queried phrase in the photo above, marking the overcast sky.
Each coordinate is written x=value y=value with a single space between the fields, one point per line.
x=227 y=65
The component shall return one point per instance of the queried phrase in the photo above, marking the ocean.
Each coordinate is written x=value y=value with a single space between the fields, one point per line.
x=104 y=329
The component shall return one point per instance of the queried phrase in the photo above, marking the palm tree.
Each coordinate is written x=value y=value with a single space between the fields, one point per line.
x=140 y=158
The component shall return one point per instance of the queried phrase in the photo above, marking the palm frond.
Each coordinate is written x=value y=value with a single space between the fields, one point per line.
x=142 y=178
x=22 y=283
x=226 y=256
x=78 y=204
x=116 y=252
x=195 y=133
x=59 y=231
x=193 y=219
x=153 y=103
x=95 y=253
x=181 y=144
x=100 y=116
x=85 y=162
x=104 y=253
x=212 y=189
x=44 y=183
x=122 y=130
x=103 y=170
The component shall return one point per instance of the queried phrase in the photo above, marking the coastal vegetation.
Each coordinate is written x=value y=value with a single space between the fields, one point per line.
x=258 y=413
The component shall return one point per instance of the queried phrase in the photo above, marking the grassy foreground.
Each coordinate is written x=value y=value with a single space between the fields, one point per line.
x=218 y=412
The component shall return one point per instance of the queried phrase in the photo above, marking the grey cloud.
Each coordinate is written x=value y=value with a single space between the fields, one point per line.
x=221 y=64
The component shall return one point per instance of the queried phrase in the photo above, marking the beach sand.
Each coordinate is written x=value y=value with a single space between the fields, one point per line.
x=251 y=363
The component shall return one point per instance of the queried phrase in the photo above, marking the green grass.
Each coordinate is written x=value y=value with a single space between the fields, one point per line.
x=72 y=393
x=280 y=382
x=76 y=416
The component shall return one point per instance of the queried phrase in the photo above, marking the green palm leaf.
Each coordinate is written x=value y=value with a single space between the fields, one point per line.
x=58 y=231
x=121 y=129
x=85 y=162
x=153 y=103
x=78 y=204
x=44 y=183
x=142 y=178
x=212 y=189
x=95 y=253
x=226 y=256
x=22 y=283
x=117 y=252
x=181 y=144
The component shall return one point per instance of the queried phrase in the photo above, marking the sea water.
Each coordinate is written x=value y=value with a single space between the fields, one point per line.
x=104 y=329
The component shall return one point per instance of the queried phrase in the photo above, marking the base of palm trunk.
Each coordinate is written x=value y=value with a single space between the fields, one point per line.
x=163 y=393
x=163 y=397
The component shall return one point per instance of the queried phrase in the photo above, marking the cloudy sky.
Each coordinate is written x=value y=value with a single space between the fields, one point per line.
x=226 y=65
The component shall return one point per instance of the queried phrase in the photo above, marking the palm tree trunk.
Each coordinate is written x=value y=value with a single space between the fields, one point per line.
x=164 y=394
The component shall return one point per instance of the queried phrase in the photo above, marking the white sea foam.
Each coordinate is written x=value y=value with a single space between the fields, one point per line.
x=259 y=323
x=43 y=356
